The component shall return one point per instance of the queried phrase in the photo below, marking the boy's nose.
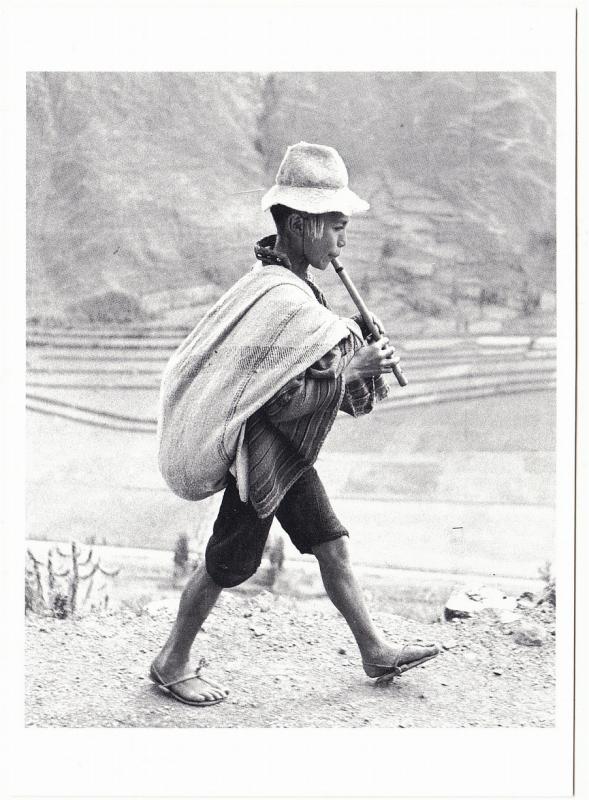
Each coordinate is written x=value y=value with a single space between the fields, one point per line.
x=341 y=240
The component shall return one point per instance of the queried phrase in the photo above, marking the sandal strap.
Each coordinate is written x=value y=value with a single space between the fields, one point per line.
x=183 y=679
x=210 y=683
x=190 y=676
x=395 y=664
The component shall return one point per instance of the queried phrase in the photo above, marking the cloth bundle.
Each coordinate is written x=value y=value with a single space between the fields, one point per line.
x=265 y=331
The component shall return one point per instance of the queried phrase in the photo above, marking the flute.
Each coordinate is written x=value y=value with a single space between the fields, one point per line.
x=366 y=315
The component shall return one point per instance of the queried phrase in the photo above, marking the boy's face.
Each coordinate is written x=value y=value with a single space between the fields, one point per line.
x=319 y=252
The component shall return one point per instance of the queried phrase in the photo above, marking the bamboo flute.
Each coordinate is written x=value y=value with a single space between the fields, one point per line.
x=366 y=316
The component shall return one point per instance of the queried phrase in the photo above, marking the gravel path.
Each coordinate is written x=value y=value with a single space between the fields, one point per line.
x=288 y=666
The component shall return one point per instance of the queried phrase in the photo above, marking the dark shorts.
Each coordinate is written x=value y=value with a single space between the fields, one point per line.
x=234 y=551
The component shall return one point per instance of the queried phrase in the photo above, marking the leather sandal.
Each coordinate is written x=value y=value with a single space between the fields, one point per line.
x=395 y=669
x=168 y=686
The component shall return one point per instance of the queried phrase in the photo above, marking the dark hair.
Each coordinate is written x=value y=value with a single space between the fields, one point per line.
x=280 y=214
x=313 y=222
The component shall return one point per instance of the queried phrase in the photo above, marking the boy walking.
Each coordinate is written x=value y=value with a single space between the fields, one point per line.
x=246 y=403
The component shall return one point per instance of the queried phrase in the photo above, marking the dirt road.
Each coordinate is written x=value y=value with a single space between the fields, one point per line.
x=288 y=665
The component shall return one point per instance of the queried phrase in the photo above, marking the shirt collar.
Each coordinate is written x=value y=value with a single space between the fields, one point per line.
x=265 y=252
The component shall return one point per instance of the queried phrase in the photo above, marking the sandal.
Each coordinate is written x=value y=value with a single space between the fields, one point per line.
x=168 y=686
x=395 y=669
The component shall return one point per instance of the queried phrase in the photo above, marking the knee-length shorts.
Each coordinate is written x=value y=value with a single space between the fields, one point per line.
x=234 y=551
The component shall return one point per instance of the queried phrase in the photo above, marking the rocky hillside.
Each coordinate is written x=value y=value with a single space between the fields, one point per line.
x=143 y=183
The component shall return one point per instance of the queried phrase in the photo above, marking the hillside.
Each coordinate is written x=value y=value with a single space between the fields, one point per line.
x=142 y=183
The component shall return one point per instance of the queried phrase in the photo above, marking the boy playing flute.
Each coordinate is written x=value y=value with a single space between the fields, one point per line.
x=246 y=403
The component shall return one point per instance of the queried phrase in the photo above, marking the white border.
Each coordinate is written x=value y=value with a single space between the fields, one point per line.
x=138 y=36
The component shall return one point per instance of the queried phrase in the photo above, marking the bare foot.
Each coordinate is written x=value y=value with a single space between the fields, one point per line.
x=186 y=683
x=386 y=658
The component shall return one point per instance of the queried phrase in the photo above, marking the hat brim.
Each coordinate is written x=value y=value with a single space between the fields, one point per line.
x=315 y=201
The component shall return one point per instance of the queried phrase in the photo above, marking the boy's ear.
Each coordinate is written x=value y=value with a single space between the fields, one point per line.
x=295 y=224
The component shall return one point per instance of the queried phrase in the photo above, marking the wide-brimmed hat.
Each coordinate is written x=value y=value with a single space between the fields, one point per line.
x=313 y=178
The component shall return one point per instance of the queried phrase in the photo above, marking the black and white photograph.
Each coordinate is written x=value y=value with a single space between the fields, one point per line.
x=299 y=402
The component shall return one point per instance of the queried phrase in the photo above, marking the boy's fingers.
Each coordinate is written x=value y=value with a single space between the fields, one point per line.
x=388 y=363
x=378 y=323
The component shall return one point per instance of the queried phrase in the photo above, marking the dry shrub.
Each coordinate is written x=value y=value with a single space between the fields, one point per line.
x=57 y=590
x=108 y=307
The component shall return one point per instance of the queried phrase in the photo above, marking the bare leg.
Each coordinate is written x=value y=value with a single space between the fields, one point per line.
x=345 y=593
x=198 y=598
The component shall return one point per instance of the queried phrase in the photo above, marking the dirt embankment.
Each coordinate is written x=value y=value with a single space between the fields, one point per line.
x=288 y=665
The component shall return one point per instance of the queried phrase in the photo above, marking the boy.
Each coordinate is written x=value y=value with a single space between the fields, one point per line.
x=246 y=403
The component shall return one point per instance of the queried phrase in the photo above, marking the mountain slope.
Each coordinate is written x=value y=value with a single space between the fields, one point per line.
x=144 y=182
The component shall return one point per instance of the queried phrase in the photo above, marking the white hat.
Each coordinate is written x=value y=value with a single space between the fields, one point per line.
x=313 y=178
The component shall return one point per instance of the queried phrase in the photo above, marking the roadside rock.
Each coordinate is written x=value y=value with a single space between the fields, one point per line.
x=529 y=634
x=526 y=601
x=466 y=603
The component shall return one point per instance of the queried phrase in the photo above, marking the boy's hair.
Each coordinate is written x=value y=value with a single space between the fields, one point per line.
x=313 y=222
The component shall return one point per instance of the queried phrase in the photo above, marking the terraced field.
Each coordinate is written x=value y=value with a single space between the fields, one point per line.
x=455 y=473
x=94 y=376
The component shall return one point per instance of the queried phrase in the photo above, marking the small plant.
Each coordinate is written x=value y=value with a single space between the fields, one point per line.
x=549 y=592
x=492 y=296
x=181 y=552
x=274 y=551
x=182 y=563
x=136 y=605
x=531 y=299
x=58 y=594
x=34 y=594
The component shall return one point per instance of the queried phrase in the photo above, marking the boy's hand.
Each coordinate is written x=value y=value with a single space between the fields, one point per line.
x=378 y=323
x=372 y=359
